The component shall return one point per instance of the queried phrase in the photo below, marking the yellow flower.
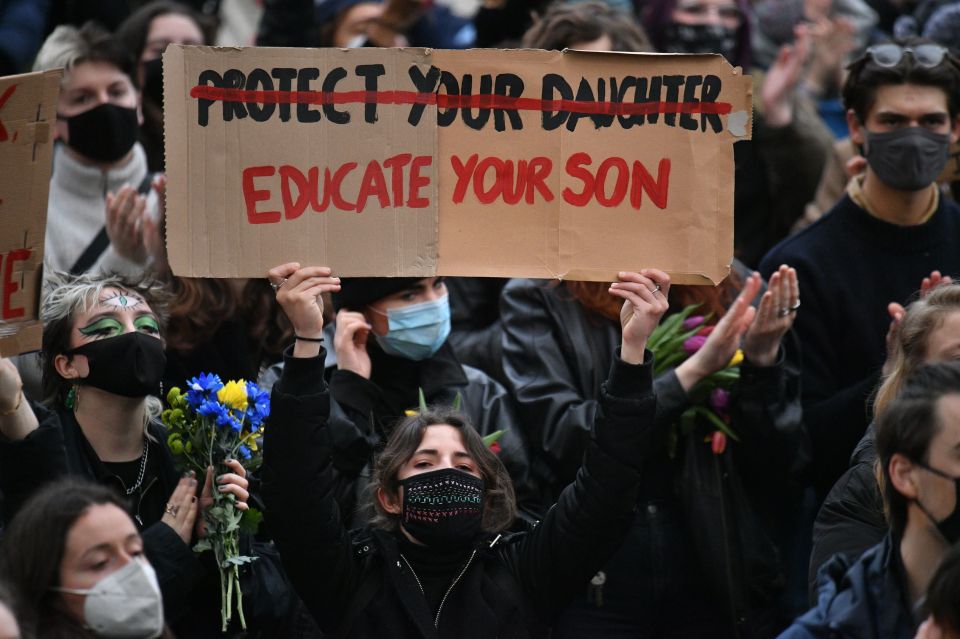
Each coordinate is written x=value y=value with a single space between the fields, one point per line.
x=736 y=359
x=411 y=413
x=234 y=395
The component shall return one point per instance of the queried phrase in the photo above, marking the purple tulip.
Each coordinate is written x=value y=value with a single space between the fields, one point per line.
x=719 y=400
x=692 y=322
x=693 y=344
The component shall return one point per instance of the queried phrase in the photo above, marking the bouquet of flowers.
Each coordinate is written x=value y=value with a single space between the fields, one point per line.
x=210 y=423
x=672 y=342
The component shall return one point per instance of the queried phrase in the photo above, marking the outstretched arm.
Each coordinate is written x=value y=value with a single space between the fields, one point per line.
x=593 y=514
x=298 y=475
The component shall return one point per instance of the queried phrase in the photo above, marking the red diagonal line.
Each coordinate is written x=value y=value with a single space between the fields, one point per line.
x=482 y=101
x=3 y=99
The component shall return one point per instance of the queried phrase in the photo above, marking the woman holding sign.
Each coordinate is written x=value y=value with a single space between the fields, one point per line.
x=435 y=561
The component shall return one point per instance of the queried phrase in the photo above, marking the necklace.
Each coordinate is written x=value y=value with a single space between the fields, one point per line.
x=143 y=467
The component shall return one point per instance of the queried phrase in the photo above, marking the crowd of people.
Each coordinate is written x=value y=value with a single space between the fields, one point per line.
x=480 y=457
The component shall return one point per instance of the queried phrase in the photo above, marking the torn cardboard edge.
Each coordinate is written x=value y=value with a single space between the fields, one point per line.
x=204 y=164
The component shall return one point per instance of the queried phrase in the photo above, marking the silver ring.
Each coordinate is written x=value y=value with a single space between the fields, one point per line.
x=276 y=287
x=783 y=312
x=655 y=288
x=171 y=510
x=795 y=306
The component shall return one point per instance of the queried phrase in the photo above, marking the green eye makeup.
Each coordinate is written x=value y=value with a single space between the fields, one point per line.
x=103 y=326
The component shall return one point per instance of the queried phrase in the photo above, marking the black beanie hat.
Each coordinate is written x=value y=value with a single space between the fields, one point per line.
x=357 y=292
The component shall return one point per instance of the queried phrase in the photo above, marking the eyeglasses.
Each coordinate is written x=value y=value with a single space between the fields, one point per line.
x=703 y=9
x=890 y=54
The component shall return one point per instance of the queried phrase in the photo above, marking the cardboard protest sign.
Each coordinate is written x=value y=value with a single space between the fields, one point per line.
x=413 y=162
x=28 y=105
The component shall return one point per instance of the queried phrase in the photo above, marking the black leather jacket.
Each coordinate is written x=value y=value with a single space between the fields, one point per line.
x=554 y=354
x=355 y=585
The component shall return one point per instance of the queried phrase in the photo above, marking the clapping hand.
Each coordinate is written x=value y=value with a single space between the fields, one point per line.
x=775 y=315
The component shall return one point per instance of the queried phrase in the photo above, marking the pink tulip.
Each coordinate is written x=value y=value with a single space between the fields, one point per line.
x=719 y=400
x=693 y=344
x=692 y=322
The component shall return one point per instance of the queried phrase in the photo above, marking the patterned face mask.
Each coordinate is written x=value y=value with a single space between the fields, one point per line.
x=443 y=508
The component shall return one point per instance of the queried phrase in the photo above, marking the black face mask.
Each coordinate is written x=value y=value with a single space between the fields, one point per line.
x=443 y=508
x=104 y=133
x=131 y=364
x=908 y=159
x=701 y=38
x=950 y=526
x=153 y=81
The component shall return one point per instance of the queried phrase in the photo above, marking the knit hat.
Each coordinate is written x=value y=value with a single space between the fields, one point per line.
x=358 y=292
x=325 y=11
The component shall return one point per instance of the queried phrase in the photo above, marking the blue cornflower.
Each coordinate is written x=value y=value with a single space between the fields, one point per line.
x=258 y=405
x=217 y=411
x=244 y=451
x=201 y=387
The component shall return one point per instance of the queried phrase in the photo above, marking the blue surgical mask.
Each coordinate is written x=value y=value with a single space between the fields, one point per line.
x=418 y=331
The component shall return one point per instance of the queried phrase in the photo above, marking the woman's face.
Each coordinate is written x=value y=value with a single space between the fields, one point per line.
x=428 y=289
x=88 y=85
x=170 y=28
x=115 y=313
x=441 y=447
x=102 y=541
x=724 y=13
x=943 y=343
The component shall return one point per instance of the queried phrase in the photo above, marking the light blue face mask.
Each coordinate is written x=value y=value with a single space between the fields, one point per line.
x=418 y=331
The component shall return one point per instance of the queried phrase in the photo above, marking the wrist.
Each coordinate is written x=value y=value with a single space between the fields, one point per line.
x=689 y=373
x=633 y=353
x=762 y=358
x=13 y=406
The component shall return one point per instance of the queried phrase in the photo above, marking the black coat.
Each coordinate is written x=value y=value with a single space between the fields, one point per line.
x=366 y=410
x=514 y=584
x=554 y=354
x=851 y=519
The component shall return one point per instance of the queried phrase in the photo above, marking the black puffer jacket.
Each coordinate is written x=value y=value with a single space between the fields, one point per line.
x=366 y=409
x=513 y=585
x=851 y=519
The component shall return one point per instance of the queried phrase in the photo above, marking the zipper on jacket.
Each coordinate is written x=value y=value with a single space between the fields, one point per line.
x=436 y=620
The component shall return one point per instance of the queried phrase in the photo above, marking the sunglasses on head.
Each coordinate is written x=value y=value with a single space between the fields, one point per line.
x=890 y=54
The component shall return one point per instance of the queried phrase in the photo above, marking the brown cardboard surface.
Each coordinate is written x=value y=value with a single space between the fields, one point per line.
x=27 y=113
x=474 y=214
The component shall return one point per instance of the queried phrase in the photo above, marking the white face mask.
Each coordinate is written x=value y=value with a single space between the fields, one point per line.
x=125 y=604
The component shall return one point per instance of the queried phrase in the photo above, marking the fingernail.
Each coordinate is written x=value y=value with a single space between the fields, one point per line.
x=228 y=460
x=220 y=478
x=222 y=489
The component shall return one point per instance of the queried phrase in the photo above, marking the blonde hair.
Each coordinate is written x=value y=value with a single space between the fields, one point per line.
x=910 y=346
